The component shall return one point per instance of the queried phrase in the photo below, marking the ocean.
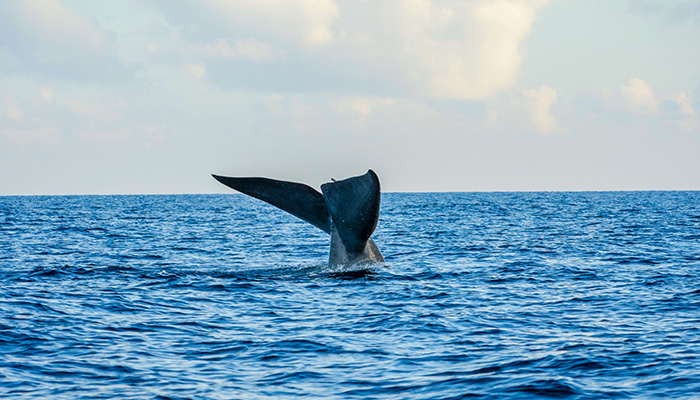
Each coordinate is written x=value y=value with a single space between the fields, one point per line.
x=583 y=295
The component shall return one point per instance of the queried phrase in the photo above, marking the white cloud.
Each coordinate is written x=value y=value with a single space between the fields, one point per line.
x=244 y=49
x=362 y=107
x=156 y=140
x=256 y=86
x=42 y=135
x=48 y=22
x=306 y=21
x=14 y=113
x=13 y=109
x=102 y=134
x=492 y=116
x=675 y=12
x=461 y=50
x=248 y=49
x=688 y=120
x=639 y=97
x=47 y=94
x=325 y=115
x=500 y=28
x=91 y=109
x=196 y=71
x=49 y=39
x=442 y=49
x=540 y=104
x=685 y=104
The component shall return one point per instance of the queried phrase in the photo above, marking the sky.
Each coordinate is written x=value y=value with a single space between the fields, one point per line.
x=132 y=97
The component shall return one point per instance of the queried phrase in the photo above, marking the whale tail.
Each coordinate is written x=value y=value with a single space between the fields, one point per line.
x=300 y=200
x=348 y=210
x=353 y=205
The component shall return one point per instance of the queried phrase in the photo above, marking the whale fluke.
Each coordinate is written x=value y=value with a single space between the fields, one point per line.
x=353 y=204
x=300 y=200
x=348 y=210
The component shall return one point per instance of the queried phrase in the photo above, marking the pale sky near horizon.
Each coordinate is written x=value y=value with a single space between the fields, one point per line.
x=434 y=95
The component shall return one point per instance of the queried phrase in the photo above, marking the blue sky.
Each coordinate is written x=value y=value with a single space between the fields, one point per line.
x=434 y=95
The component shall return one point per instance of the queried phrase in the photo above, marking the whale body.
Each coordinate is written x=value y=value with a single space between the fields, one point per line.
x=348 y=210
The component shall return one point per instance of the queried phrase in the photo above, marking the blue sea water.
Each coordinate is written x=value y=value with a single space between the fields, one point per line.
x=484 y=296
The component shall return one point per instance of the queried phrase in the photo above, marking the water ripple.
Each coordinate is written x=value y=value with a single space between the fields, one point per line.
x=484 y=295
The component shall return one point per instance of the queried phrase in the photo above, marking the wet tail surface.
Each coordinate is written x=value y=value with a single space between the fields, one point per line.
x=348 y=210
x=353 y=204
x=300 y=200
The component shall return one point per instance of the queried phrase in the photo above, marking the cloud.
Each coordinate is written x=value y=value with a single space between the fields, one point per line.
x=47 y=94
x=14 y=113
x=49 y=40
x=41 y=135
x=685 y=104
x=677 y=11
x=12 y=109
x=687 y=119
x=95 y=109
x=307 y=22
x=458 y=50
x=497 y=30
x=362 y=107
x=441 y=49
x=639 y=106
x=196 y=71
x=540 y=104
x=638 y=97
x=247 y=49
